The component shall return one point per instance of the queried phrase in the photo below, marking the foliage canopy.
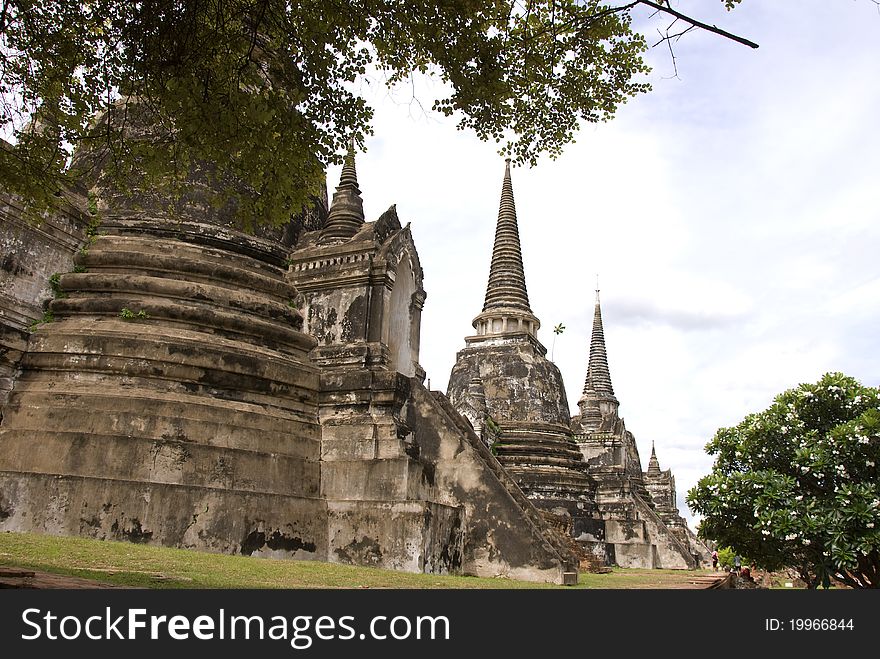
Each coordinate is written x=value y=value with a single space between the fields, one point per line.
x=268 y=89
x=798 y=486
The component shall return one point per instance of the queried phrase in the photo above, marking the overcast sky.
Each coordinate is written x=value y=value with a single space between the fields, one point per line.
x=732 y=214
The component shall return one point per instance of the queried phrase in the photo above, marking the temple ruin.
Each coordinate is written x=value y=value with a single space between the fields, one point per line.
x=583 y=472
x=168 y=378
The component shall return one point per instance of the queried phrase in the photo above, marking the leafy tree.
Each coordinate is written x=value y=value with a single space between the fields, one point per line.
x=267 y=89
x=725 y=557
x=797 y=485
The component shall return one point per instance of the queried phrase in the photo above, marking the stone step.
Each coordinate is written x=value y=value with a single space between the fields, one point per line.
x=30 y=579
x=123 y=348
x=212 y=320
x=108 y=284
x=266 y=254
x=149 y=419
x=83 y=328
x=556 y=538
x=89 y=453
x=286 y=399
x=547 y=484
x=281 y=397
x=539 y=440
x=539 y=450
x=535 y=458
x=175 y=260
x=545 y=481
x=78 y=391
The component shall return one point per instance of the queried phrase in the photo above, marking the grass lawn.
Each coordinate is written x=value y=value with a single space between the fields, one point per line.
x=147 y=566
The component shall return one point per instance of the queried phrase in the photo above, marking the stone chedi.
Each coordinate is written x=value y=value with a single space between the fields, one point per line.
x=171 y=399
x=511 y=393
x=204 y=388
x=635 y=534
x=661 y=486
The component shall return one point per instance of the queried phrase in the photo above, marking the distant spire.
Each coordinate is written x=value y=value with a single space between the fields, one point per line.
x=598 y=380
x=507 y=280
x=653 y=463
x=347 y=210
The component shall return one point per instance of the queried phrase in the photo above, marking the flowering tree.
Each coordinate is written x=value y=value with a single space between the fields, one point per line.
x=797 y=485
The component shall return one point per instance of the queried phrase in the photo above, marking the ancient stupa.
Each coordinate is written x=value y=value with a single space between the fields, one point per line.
x=635 y=534
x=504 y=384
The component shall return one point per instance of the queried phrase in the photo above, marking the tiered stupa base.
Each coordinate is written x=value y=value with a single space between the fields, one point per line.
x=171 y=399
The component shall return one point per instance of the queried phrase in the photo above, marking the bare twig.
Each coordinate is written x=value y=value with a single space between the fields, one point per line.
x=699 y=24
x=670 y=37
x=671 y=53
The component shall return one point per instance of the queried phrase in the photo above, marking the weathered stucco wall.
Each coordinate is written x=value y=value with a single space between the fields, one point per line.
x=671 y=553
x=409 y=487
x=32 y=249
x=519 y=383
x=506 y=535
x=188 y=517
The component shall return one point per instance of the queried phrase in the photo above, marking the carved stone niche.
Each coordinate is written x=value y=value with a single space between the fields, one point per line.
x=363 y=297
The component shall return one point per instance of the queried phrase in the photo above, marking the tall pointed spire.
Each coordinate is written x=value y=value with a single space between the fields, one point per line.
x=653 y=463
x=347 y=210
x=507 y=280
x=598 y=380
x=506 y=307
x=598 y=404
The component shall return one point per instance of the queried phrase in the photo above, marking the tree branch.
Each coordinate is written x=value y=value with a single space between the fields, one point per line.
x=699 y=24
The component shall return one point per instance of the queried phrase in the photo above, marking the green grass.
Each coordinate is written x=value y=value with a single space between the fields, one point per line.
x=147 y=566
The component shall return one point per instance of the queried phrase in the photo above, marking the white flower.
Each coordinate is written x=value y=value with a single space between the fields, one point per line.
x=805 y=541
x=791 y=536
x=870 y=525
x=765 y=532
x=799 y=497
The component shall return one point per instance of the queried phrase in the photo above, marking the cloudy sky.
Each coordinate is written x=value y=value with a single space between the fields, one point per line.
x=732 y=215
